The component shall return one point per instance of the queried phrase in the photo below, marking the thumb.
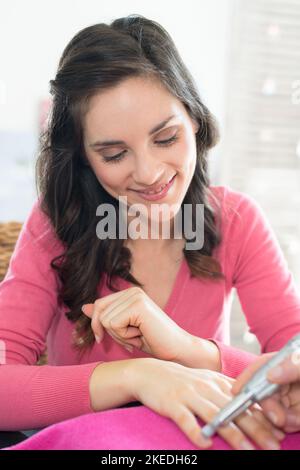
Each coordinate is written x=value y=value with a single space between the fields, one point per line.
x=287 y=372
x=246 y=375
x=88 y=310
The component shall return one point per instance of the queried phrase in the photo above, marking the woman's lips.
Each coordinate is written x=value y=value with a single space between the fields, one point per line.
x=159 y=195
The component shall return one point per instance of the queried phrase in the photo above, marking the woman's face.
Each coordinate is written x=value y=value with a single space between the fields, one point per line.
x=128 y=113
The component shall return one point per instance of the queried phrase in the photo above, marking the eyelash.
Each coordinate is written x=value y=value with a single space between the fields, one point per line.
x=119 y=157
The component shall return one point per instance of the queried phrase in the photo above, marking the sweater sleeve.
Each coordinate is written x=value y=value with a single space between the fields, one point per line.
x=266 y=289
x=33 y=396
x=233 y=360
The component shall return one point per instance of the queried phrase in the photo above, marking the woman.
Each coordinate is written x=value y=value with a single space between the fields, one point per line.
x=126 y=119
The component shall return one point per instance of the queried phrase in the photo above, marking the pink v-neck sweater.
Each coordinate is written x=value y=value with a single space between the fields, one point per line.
x=34 y=396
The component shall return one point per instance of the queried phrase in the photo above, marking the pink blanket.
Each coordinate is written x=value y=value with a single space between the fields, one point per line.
x=137 y=428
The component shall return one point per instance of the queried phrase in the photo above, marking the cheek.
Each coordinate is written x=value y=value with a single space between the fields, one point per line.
x=187 y=156
x=108 y=177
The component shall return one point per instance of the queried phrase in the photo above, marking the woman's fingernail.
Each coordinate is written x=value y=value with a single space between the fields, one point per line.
x=278 y=434
x=246 y=445
x=272 y=416
x=97 y=338
x=275 y=373
x=292 y=419
x=129 y=348
x=203 y=441
x=272 y=445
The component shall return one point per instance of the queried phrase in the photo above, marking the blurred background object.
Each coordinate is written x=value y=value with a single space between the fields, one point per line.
x=245 y=58
x=9 y=232
x=261 y=141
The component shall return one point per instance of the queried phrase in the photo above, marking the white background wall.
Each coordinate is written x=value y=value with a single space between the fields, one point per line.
x=33 y=35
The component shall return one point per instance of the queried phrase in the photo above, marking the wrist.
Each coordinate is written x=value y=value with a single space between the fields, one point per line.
x=133 y=375
x=200 y=353
x=109 y=386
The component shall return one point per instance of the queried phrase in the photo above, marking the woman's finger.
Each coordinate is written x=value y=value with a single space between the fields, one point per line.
x=275 y=411
x=111 y=303
x=120 y=342
x=98 y=307
x=259 y=430
x=256 y=430
x=130 y=344
x=128 y=335
x=188 y=423
x=292 y=423
x=121 y=322
x=216 y=400
x=207 y=410
x=253 y=423
x=102 y=322
x=117 y=319
x=258 y=414
x=97 y=328
x=134 y=339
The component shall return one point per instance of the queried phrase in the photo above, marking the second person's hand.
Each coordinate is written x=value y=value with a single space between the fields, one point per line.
x=282 y=408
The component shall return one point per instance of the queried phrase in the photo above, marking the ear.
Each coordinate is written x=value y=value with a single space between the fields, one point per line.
x=196 y=126
x=88 y=309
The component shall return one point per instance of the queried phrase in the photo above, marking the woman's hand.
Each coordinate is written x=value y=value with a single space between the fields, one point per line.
x=283 y=408
x=132 y=319
x=183 y=394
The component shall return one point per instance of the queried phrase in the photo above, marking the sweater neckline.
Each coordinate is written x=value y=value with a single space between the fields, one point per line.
x=177 y=290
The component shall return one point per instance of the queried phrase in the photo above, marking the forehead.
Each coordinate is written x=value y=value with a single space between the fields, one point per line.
x=135 y=105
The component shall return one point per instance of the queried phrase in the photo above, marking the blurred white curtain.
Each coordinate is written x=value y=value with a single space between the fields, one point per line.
x=262 y=126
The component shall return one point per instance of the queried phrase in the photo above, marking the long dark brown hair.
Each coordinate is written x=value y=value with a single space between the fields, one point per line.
x=97 y=58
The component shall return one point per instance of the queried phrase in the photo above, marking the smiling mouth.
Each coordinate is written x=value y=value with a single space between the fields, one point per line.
x=157 y=191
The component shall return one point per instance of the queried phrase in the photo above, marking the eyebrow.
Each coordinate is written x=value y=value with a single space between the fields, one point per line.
x=107 y=143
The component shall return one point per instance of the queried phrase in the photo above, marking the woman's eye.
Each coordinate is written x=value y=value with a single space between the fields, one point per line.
x=117 y=158
x=168 y=141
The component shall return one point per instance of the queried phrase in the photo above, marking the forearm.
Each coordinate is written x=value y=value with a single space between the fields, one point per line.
x=214 y=355
x=33 y=397
x=200 y=353
x=110 y=385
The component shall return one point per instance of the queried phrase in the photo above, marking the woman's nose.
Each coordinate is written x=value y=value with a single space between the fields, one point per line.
x=147 y=171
